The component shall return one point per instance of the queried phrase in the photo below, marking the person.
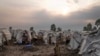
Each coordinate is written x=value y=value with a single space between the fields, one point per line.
x=59 y=37
x=25 y=37
x=32 y=31
x=50 y=37
x=68 y=37
x=33 y=34
x=57 y=50
x=11 y=32
x=67 y=40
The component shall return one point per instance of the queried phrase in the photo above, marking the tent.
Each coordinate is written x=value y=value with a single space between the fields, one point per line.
x=29 y=36
x=5 y=35
x=75 y=41
x=19 y=36
x=66 y=35
x=91 y=45
x=45 y=38
x=53 y=38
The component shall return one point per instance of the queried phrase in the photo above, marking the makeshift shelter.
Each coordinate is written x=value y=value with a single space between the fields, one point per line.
x=75 y=41
x=19 y=36
x=53 y=38
x=91 y=45
x=29 y=36
x=66 y=36
x=5 y=36
x=45 y=38
x=49 y=36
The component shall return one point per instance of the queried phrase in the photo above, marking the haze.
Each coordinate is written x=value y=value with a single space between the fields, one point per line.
x=67 y=14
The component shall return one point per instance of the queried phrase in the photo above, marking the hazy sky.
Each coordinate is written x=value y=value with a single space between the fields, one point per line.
x=68 y=14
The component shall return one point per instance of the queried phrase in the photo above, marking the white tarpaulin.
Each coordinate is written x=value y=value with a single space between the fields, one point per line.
x=92 y=49
x=75 y=41
x=73 y=44
x=7 y=35
x=53 y=39
x=45 y=38
x=82 y=45
x=91 y=45
x=29 y=36
x=19 y=37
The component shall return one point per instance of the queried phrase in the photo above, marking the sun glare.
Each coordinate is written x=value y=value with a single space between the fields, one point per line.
x=64 y=7
x=56 y=6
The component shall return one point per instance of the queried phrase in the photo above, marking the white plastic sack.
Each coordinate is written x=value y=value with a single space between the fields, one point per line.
x=73 y=44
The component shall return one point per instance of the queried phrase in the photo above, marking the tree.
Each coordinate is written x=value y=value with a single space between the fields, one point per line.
x=94 y=28
x=89 y=27
x=97 y=23
x=31 y=28
x=53 y=27
x=84 y=28
x=59 y=29
x=10 y=29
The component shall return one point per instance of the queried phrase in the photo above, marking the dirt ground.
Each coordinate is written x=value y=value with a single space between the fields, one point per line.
x=41 y=50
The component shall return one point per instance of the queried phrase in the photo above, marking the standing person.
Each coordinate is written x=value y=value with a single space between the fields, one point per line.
x=25 y=37
x=59 y=36
x=33 y=34
x=57 y=50
x=32 y=31
x=11 y=32
x=68 y=37
x=50 y=36
x=10 y=29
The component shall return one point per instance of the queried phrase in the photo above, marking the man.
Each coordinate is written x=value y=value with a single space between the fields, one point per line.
x=25 y=37
x=57 y=50
x=33 y=33
x=11 y=32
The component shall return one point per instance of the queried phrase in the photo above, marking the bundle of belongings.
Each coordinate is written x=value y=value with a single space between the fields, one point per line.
x=23 y=37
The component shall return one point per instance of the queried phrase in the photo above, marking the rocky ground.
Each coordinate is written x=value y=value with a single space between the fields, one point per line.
x=41 y=50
